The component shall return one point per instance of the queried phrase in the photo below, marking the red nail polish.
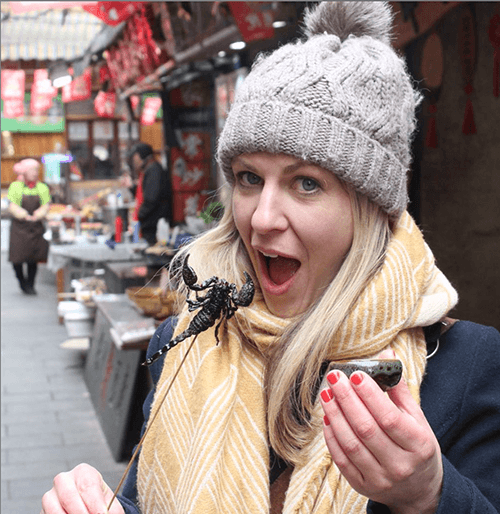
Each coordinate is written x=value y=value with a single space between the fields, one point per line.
x=356 y=378
x=326 y=395
x=326 y=421
x=333 y=377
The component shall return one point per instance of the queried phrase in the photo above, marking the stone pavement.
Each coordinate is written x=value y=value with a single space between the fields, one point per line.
x=48 y=423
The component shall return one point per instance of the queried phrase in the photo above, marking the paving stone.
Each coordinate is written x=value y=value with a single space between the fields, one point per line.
x=48 y=422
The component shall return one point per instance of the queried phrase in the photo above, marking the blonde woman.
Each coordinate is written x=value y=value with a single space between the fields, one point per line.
x=316 y=150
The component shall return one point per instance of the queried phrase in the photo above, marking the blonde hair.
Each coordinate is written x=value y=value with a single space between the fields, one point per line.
x=294 y=364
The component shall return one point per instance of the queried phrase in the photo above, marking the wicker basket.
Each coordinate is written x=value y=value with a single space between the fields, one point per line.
x=148 y=300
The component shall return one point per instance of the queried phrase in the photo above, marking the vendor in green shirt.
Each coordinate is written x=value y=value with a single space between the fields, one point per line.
x=29 y=205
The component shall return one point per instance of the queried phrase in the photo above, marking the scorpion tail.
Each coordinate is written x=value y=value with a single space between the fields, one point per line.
x=246 y=293
x=188 y=273
x=165 y=349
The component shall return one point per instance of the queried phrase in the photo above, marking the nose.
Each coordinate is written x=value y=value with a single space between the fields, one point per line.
x=270 y=211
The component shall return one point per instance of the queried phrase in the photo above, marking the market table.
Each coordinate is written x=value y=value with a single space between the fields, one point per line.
x=77 y=260
x=117 y=382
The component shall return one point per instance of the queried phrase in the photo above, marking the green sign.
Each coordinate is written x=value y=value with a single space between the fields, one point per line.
x=51 y=121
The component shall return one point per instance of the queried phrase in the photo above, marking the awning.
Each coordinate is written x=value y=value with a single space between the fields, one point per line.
x=47 y=35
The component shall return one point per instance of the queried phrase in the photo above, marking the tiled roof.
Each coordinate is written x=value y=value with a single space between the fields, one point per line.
x=43 y=35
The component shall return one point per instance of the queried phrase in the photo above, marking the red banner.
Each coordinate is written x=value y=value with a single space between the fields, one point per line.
x=13 y=108
x=188 y=204
x=113 y=13
x=149 y=111
x=79 y=89
x=187 y=175
x=253 y=19
x=13 y=84
x=42 y=92
x=104 y=104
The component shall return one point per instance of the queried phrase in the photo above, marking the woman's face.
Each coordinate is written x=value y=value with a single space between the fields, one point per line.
x=296 y=222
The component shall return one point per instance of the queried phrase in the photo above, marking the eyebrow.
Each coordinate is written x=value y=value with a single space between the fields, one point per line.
x=291 y=168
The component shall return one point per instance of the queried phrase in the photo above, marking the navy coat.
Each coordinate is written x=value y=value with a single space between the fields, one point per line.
x=460 y=396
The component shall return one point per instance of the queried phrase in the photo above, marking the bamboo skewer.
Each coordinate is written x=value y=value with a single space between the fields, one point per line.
x=132 y=459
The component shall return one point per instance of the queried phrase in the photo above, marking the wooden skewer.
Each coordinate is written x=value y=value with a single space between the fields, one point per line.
x=136 y=452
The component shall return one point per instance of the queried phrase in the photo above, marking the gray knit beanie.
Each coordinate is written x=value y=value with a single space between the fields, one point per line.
x=342 y=99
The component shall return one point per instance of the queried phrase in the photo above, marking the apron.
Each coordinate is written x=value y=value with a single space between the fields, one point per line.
x=26 y=237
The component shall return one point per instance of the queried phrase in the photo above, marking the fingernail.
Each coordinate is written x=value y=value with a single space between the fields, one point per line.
x=326 y=395
x=333 y=377
x=326 y=421
x=356 y=378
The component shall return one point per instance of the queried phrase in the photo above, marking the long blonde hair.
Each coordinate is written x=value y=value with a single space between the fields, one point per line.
x=294 y=364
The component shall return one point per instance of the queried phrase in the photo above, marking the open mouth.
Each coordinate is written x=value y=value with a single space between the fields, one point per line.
x=280 y=269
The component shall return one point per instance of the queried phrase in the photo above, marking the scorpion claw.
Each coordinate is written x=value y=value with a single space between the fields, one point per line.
x=188 y=273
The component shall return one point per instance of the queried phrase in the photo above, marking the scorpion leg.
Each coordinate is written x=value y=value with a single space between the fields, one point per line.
x=217 y=330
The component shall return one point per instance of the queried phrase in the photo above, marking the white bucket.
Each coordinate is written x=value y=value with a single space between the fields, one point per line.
x=79 y=324
x=66 y=307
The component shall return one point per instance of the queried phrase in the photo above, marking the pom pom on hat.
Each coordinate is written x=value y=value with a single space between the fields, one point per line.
x=342 y=99
x=343 y=19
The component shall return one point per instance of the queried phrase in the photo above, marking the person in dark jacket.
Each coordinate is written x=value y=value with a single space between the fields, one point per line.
x=151 y=190
x=315 y=151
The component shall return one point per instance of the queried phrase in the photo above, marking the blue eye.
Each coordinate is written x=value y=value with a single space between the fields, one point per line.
x=247 y=178
x=308 y=184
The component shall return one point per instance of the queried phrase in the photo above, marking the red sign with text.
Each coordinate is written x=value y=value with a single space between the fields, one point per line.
x=79 y=89
x=104 y=104
x=13 y=84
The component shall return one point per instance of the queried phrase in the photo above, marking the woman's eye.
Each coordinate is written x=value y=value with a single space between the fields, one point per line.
x=247 y=178
x=308 y=184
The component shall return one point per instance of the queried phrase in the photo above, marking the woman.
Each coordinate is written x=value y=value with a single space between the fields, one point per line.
x=29 y=205
x=315 y=151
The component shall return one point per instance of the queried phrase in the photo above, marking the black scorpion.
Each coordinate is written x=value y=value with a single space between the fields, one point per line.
x=221 y=301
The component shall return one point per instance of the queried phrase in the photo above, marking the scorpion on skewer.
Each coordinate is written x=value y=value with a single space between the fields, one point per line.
x=221 y=301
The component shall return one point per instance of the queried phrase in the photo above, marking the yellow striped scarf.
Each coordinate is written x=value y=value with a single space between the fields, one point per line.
x=207 y=452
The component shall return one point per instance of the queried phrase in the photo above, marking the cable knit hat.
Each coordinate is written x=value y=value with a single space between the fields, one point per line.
x=342 y=99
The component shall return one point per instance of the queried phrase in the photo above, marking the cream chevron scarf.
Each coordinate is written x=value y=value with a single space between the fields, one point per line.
x=207 y=452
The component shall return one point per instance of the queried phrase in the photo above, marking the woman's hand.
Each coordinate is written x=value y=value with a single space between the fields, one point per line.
x=382 y=443
x=80 y=491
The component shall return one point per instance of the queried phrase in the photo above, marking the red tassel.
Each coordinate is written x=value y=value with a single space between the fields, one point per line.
x=431 y=140
x=469 y=127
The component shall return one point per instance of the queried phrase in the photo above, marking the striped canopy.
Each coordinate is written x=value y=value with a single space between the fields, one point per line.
x=47 y=35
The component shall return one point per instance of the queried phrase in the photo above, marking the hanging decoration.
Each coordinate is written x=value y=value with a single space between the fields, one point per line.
x=136 y=55
x=104 y=104
x=151 y=107
x=494 y=35
x=467 y=50
x=113 y=13
x=254 y=20
x=12 y=88
x=79 y=89
x=42 y=92
x=431 y=70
